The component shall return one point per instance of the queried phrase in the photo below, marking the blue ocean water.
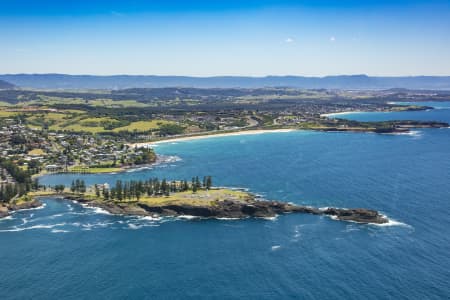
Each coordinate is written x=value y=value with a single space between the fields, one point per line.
x=441 y=112
x=66 y=251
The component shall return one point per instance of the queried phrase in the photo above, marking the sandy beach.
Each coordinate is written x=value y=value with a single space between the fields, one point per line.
x=208 y=136
x=340 y=113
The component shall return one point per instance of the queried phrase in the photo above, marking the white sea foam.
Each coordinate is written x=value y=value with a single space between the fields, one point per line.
x=59 y=231
x=40 y=226
x=99 y=210
x=34 y=208
x=55 y=216
x=188 y=217
x=134 y=226
x=77 y=213
x=96 y=210
x=270 y=218
x=90 y=226
x=413 y=133
x=392 y=222
x=6 y=218
x=297 y=233
x=150 y=218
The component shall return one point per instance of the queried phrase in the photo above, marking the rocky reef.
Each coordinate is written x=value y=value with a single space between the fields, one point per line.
x=235 y=210
x=7 y=208
x=250 y=207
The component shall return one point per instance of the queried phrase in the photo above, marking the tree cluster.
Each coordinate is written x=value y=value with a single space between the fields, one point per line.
x=78 y=186
x=17 y=173
x=146 y=156
x=10 y=190
x=130 y=190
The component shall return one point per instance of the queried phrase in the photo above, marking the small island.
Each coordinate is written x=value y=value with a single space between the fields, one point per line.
x=163 y=198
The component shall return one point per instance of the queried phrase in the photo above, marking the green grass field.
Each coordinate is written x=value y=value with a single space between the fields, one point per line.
x=79 y=169
x=143 y=125
x=7 y=114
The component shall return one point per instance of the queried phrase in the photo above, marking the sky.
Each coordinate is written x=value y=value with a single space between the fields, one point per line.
x=215 y=38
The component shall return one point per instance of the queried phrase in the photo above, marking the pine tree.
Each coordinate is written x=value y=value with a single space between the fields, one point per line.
x=119 y=190
x=138 y=195
x=97 y=191
x=82 y=187
x=208 y=182
x=164 y=186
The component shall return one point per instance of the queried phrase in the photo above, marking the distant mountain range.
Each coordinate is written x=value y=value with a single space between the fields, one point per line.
x=5 y=85
x=62 y=81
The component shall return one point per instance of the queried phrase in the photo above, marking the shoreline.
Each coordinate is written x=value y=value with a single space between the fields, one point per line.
x=341 y=113
x=229 y=209
x=160 y=159
x=212 y=135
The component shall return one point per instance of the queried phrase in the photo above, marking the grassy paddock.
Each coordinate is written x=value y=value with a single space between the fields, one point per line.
x=143 y=125
x=78 y=169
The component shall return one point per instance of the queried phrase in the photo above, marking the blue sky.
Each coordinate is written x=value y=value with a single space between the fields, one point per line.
x=208 y=38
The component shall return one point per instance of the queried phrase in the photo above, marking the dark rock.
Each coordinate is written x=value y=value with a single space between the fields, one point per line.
x=234 y=209
x=25 y=205
x=4 y=211
x=359 y=215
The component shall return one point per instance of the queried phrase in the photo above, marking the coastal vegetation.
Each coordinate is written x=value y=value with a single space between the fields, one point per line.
x=141 y=189
x=202 y=202
x=134 y=190
x=14 y=182
x=92 y=132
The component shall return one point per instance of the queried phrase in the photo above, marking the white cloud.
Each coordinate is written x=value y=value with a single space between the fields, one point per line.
x=332 y=39
x=289 y=40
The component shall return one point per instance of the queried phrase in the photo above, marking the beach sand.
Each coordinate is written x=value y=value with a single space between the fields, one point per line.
x=340 y=113
x=207 y=136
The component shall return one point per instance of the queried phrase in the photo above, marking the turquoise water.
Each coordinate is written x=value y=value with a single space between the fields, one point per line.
x=68 y=251
x=441 y=112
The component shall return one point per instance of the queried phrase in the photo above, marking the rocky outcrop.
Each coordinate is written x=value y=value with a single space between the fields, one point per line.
x=232 y=209
x=25 y=205
x=4 y=211
x=7 y=208
x=359 y=215
x=263 y=209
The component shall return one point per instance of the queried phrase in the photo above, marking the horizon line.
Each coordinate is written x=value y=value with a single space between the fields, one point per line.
x=218 y=76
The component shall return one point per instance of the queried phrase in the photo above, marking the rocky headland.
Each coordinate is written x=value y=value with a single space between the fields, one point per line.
x=231 y=209
x=7 y=208
x=218 y=203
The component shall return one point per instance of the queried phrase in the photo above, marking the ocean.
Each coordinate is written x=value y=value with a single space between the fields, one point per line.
x=67 y=251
